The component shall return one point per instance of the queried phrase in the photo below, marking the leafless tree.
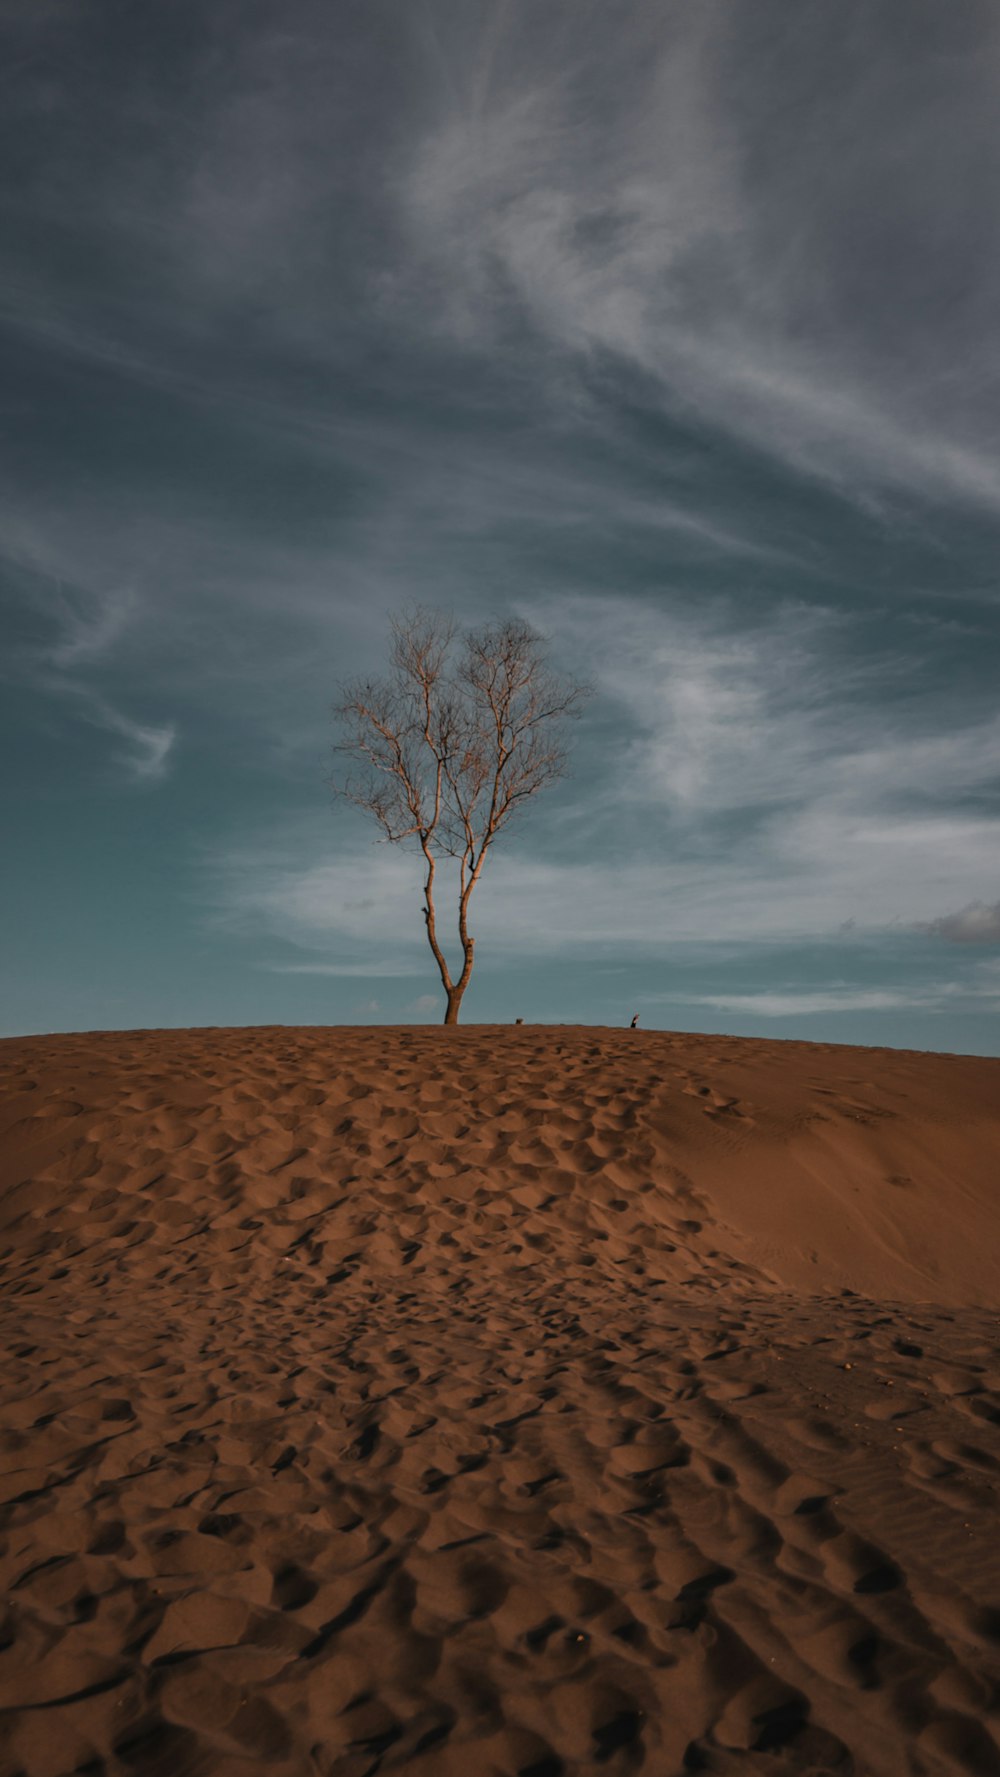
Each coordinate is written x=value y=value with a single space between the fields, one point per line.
x=448 y=746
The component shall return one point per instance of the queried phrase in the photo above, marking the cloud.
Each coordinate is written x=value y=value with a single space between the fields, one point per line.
x=789 y=882
x=789 y=708
x=979 y=989
x=978 y=923
x=89 y=628
x=147 y=752
x=642 y=197
x=795 y=1003
x=83 y=626
x=616 y=203
x=613 y=194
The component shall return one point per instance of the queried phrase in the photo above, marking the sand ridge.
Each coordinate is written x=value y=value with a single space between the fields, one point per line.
x=497 y=1400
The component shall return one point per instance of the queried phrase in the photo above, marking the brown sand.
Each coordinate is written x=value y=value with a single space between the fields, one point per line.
x=495 y=1401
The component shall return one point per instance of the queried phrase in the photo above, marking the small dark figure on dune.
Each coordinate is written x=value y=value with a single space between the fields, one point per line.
x=635 y=1021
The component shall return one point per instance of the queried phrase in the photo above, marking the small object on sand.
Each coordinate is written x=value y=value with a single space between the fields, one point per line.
x=519 y=1021
x=635 y=1020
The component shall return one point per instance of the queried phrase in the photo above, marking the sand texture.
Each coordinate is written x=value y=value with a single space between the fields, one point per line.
x=495 y=1401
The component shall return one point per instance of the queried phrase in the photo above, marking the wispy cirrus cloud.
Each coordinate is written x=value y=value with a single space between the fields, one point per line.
x=745 y=260
x=790 y=708
x=147 y=748
x=88 y=626
x=624 y=190
x=74 y=631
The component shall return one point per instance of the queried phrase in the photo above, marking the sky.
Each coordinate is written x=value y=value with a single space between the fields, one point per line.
x=670 y=328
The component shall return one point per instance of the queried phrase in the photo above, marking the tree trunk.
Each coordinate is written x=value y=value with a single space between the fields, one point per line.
x=455 y=992
x=454 y=1001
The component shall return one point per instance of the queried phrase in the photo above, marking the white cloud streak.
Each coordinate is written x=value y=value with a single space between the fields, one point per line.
x=148 y=748
x=799 y=1004
x=979 y=990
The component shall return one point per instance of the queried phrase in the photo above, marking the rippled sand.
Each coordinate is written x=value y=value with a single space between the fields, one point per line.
x=497 y=1400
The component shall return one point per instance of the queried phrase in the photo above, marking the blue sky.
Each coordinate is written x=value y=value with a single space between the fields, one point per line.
x=669 y=328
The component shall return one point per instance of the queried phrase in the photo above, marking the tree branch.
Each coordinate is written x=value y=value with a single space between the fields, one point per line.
x=448 y=751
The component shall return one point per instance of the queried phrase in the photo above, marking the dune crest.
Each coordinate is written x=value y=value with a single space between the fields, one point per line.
x=506 y=1400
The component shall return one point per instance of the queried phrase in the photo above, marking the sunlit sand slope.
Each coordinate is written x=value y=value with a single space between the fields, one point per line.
x=505 y=1401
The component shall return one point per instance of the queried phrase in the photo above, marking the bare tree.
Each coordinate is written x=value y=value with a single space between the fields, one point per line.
x=447 y=748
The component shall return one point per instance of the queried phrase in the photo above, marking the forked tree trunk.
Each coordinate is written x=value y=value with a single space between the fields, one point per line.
x=454 y=990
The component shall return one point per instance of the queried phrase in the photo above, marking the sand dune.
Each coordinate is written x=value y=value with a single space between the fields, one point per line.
x=497 y=1401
